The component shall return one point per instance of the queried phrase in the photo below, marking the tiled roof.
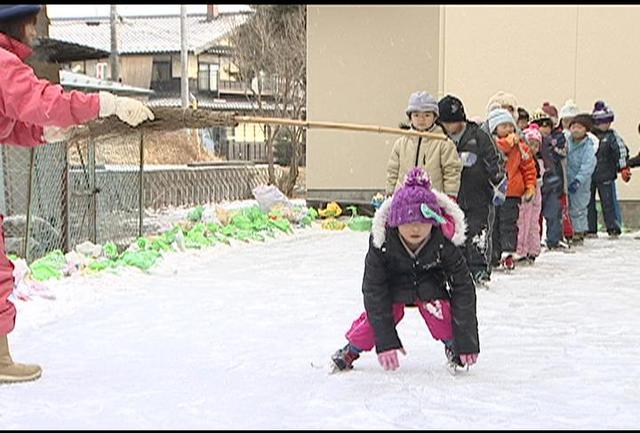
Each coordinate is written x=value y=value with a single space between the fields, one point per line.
x=146 y=34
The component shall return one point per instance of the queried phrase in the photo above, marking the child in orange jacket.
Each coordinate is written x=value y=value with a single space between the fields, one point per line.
x=521 y=175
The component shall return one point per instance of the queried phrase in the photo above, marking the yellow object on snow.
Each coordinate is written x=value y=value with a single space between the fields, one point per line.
x=332 y=210
x=333 y=224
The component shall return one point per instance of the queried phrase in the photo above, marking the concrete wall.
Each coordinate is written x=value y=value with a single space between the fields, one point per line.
x=554 y=53
x=364 y=61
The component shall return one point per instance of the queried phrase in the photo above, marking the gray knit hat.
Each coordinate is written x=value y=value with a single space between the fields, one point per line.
x=422 y=101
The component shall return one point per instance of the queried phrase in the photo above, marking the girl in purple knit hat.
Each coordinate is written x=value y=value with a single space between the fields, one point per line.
x=413 y=254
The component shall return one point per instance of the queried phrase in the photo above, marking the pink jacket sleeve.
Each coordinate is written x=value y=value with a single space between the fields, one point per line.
x=23 y=134
x=33 y=103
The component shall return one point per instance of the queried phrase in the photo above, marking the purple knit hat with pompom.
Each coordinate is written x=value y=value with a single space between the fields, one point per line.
x=407 y=203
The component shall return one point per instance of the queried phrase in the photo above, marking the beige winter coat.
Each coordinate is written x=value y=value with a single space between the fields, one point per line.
x=438 y=157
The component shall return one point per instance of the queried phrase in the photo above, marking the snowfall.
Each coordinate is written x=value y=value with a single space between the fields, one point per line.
x=240 y=337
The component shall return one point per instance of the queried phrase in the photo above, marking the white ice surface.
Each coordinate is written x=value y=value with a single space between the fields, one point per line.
x=225 y=338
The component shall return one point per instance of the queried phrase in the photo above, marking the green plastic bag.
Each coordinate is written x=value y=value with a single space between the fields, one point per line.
x=196 y=214
x=360 y=224
x=101 y=265
x=196 y=238
x=281 y=224
x=160 y=245
x=140 y=259
x=49 y=266
x=110 y=250
x=312 y=213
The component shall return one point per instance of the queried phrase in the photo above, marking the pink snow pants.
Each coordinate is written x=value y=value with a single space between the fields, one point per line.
x=528 y=226
x=436 y=314
x=7 y=309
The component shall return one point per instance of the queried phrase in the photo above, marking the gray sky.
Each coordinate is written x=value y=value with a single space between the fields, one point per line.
x=74 y=10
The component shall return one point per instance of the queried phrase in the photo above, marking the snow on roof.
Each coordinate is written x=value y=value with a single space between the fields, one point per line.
x=147 y=34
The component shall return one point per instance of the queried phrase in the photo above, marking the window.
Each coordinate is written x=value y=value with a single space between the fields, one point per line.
x=207 y=77
x=161 y=71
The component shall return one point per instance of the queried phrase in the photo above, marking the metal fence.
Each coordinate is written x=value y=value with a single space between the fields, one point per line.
x=105 y=190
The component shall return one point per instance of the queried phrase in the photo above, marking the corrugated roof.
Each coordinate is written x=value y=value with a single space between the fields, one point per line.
x=146 y=34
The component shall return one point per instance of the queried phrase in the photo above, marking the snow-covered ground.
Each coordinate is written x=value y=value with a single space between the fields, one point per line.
x=225 y=338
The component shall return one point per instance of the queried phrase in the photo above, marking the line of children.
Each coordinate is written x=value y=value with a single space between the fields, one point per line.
x=470 y=202
x=482 y=172
x=521 y=185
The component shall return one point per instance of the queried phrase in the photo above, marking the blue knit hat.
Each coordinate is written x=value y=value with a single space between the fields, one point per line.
x=422 y=101
x=11 y=12
x=602 y=113
x=499 y=116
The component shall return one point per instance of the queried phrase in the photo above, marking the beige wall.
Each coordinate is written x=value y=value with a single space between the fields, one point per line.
x=580 y=52
x=192 y=66
x=363 y=62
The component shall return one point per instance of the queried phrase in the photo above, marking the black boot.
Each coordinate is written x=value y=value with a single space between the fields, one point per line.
x=343 y=358
x=452 y=358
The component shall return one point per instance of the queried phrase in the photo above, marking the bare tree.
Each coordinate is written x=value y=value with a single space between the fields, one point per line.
x=270 y=54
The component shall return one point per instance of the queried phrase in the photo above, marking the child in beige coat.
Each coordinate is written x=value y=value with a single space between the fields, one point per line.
x=438 y=156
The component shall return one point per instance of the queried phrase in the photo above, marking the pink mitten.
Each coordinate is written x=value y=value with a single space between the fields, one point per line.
x=468 y=358
x=448 y=228
x=389 y=359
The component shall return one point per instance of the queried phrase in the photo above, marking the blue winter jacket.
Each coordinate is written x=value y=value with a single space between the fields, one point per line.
x=581 y=162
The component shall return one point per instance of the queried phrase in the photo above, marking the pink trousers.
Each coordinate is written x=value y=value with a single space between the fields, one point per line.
x=7 y=309
x=528 y=226
x=436 y=314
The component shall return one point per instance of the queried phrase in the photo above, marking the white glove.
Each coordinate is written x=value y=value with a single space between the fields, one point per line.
x=128 y=110
x=54 y=134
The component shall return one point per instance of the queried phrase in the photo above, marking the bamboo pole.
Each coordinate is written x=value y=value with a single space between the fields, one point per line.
x=335 y=125
x=173 y=119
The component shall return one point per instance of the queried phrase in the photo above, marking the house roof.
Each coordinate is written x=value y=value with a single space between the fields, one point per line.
x=75 y=80
x=55 y=50
x=147 y=34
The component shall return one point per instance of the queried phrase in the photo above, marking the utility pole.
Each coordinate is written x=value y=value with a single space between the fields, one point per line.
x=115 y=64
x=184 y=58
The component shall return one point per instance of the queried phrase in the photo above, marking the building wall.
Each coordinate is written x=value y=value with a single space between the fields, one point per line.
x=581 y=52
x=363 y=62
x=136 y=70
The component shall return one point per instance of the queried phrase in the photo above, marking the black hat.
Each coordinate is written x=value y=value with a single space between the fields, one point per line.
x=523 y=114
x=451 y=109
x=584 y=119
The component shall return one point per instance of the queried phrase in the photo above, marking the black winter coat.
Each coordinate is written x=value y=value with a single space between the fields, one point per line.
x=553 y=151
x=392 y=276
x=608 y=156
x=475 y=183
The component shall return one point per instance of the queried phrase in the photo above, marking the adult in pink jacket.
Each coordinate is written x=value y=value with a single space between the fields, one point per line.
x=34 y=112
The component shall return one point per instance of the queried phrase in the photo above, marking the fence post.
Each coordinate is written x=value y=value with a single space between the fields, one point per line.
x=27 y=231
x=141 y=187
x=93 y=223
x=66 y=230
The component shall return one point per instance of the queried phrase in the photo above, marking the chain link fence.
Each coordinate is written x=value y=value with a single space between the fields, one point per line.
x=111 y=189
